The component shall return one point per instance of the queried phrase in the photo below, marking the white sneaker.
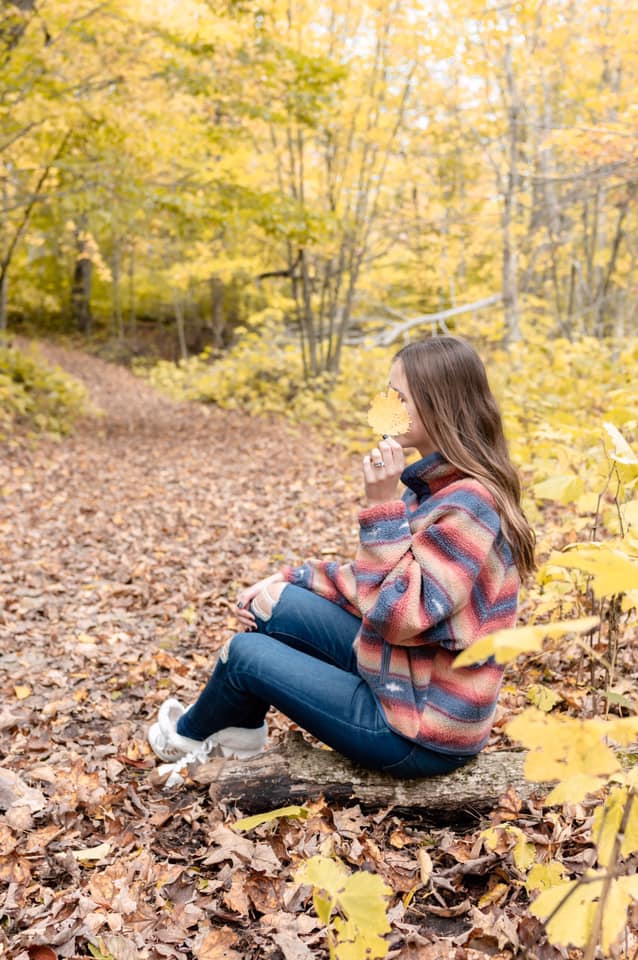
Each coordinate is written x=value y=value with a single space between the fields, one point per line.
x=241 y=743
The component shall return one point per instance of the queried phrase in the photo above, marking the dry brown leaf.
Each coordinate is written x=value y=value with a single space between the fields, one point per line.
x=42 y=953
x=217 y=944
x=236 y=898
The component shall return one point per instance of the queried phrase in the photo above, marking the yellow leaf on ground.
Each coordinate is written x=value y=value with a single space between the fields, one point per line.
x=22 y=692
x=249 y=823
x=542 y=876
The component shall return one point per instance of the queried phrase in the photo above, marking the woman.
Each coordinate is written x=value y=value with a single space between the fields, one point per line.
x=361 y=654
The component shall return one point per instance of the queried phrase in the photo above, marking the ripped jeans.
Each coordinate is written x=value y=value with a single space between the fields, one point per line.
x=301 y=661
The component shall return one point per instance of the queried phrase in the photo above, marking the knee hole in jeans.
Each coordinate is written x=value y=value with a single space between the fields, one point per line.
x=266 y=600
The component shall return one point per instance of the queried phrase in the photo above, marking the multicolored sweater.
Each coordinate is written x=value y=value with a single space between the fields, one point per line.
x=433 y=572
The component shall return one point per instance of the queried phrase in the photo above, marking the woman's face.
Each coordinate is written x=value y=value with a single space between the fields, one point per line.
x=416 y=435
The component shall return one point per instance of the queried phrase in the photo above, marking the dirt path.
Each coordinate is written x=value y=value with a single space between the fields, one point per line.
x=123 y=548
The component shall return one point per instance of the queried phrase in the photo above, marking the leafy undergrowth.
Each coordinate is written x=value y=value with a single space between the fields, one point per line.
x=37 y=396
x=123 y=549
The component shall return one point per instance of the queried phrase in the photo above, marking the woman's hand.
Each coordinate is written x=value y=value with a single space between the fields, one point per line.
x=244 y=614
x=381 y=472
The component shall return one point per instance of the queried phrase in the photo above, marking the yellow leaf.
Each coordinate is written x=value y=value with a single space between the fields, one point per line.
x=543 y=697
x=22 y=692
x=388 y=415
x=323 y=872
x=505 y=645
x=623 y=730
x=323 y=907
x=607 y=820
x=629 y=513
x=495 y=895
x=614 y=915
x=542 y=876
x=612 y=570
x=249 y=823
x=630 y=840
x=565 y=489
x=362 y=900
x=562 y=747
x=357 y=944
x=524 y=853
x=622 y=452
x=575 y=789
x=572 y=922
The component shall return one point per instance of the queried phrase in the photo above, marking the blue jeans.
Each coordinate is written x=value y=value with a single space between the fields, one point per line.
x=301 y=661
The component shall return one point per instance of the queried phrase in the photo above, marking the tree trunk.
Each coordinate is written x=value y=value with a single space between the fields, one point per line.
x=510 y=260
x=295 y=772
x=217 y=311
x=118 y=326
x=181 y=333
x=82 y=280
x=3 y=299
x=131 y=294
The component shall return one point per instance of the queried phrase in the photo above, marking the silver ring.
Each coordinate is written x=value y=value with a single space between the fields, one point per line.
x=379 y=463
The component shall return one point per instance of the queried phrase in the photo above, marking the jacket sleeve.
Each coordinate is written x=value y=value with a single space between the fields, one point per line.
x=329 y=579
x=409 y=581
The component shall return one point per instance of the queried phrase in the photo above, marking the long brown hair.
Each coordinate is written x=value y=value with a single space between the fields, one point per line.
x=451 y=392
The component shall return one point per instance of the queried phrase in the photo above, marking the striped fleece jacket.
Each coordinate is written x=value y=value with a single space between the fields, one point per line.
x=432 y=573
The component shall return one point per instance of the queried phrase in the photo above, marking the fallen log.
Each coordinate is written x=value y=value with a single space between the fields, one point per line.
x=295 y=772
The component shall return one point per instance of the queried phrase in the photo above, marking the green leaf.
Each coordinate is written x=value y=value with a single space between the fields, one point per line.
x=249 y=823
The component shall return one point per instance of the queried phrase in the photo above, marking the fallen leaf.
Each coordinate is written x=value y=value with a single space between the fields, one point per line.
x=216 y=945
x=42 y=953
x=93 y=853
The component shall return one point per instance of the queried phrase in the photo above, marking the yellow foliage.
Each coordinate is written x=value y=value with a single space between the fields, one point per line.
x=575 y=905
x=542 y=876
x=612 y=570
x=564 y=489
x=505 y=645
x=562 y=747
x=356 y=932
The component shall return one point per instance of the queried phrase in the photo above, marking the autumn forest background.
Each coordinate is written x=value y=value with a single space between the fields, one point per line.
x=218 y=222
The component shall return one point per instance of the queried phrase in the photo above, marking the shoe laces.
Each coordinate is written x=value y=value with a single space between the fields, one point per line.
x=197 y=755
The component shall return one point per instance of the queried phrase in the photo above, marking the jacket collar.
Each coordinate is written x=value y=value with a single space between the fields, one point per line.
x=430 y=474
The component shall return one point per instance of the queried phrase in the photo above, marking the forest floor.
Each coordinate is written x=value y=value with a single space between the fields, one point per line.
x=123 y=547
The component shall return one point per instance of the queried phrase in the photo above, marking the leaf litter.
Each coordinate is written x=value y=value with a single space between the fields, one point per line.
x=123 y=549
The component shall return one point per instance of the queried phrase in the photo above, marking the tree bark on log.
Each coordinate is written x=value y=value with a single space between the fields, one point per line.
x=295 y=772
